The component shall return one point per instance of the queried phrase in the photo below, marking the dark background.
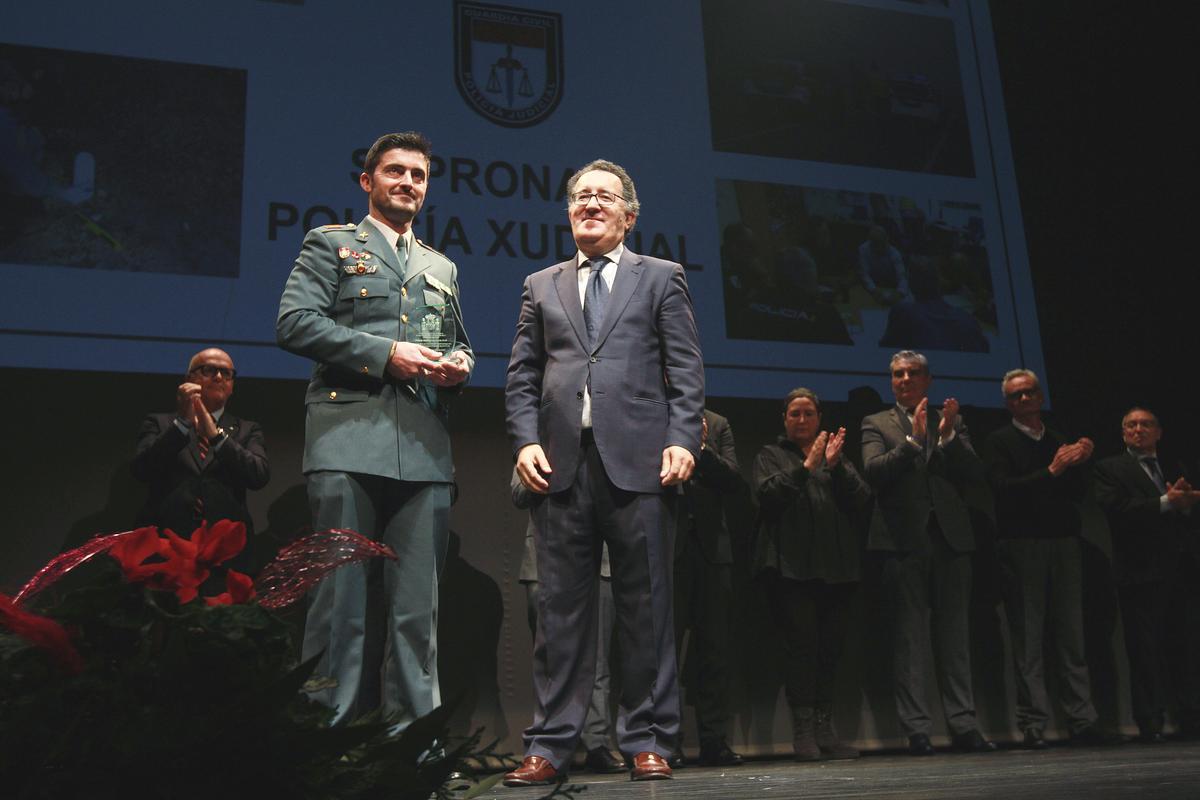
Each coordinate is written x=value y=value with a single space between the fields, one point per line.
x=1095 y=96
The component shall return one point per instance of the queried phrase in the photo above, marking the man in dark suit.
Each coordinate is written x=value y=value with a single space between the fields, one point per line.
x=920 y=464
x=1039 y=479
x=704 y=586
x=604 y=397
x=378 y=312
x=199 y=461
x=1156 y=557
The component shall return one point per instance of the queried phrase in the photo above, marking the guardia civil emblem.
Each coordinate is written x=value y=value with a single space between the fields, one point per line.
x=508 y=62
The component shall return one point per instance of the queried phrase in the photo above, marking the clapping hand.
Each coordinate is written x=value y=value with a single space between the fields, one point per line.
x=833 y=448
x=816 y=452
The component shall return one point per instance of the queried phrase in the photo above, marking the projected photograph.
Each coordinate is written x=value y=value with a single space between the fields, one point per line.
x=802 y=264
x=825 y=81
x=120 y=163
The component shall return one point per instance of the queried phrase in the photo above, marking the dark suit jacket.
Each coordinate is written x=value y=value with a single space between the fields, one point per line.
x=648 y=333
x=169 y=463
x=1147 y=544
x=909 y=489
x=710 y=494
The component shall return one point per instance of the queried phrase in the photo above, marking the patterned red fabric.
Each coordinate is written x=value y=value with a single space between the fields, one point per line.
x=65 y=562
x=302 y=564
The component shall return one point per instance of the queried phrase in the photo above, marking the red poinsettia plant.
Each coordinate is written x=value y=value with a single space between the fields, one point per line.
x=168 y=562
x=120 y=679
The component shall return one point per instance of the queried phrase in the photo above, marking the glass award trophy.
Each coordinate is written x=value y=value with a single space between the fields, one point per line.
x=432 y=326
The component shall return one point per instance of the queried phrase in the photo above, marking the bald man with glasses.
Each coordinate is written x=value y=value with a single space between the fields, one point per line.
x=1156 y=557
x=200 y=460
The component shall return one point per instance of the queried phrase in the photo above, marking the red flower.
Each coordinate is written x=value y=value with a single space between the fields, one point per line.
x=185 y=562
x=132 y=550
x=239 y=588
x=41 y=632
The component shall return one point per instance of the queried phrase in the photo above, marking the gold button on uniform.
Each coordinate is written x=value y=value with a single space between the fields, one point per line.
x=365 y=370
x=333 y=395
x=404 y=291
x=404 y=317
x=362 y=292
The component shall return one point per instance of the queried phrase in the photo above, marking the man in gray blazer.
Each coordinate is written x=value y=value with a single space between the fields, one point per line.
x=378 y=311
x=604 y=396
x=920 y=464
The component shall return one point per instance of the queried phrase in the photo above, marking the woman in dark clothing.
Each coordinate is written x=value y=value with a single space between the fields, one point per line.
x=807 y=553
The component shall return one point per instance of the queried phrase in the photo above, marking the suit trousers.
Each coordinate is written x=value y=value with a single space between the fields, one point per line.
x=570 y=527
x=1042 y=585
x=703 y=598
x=1162 y=640
x=931 y=593
x=597 y=727
x=412 y=518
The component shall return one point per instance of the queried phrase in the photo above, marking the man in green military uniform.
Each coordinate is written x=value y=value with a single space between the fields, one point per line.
x=379 y=313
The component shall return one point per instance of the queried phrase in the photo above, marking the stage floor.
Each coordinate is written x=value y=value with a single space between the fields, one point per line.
x=1162 y=772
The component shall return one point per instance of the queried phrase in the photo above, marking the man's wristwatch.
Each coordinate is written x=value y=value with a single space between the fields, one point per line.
x=220 y=437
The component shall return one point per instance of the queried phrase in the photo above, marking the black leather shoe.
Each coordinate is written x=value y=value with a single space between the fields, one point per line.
x=676 y=761
x=972 y=742
x=1033 y=740
x=1154 y=737
x=1091 y=736
x=919 y=745
x=718 y=755
x=604 y=761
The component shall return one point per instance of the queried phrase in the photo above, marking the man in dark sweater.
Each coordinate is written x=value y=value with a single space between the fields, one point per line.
x=1039 y=479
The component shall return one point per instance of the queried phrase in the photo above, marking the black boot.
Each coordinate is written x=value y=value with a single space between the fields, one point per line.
x=804 y=740
x=827 y=738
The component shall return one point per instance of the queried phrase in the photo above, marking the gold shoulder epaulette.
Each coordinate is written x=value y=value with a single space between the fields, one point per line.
x=349 y=226
x=430 y=249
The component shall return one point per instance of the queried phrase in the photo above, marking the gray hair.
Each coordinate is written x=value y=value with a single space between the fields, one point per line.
x=1018 y=373
x=628 y=192
x=909 y=355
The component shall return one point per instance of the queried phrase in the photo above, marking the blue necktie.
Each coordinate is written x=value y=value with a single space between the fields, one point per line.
x=594 y=301
x=1155 y=473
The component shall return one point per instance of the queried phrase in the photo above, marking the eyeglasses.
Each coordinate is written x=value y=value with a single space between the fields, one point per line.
x=1130 y=424
x=603 y=198
x=212 y=371
x=1020 y=393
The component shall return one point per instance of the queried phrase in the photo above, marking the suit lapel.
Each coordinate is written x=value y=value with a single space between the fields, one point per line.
x=418 y=261
x=374 y=242
x=566 y=283
x=193 y=449
x=901 y=420
x=629 y=275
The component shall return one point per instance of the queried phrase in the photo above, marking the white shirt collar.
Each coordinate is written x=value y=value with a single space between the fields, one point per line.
x=391 y=235
x=614 y=255
x=1028 y=431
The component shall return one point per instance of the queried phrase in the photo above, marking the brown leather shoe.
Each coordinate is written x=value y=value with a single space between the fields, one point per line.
x=649 y=767
x=534 y=771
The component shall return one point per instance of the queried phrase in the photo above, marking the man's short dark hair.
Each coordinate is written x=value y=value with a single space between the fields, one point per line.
x=1144 y=410
x=628 y=190
x=408 y=140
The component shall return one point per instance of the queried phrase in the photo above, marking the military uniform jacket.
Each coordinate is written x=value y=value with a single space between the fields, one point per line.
x=344 y=304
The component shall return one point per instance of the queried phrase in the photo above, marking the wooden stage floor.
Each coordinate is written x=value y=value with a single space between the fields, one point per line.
x=1160 y=772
